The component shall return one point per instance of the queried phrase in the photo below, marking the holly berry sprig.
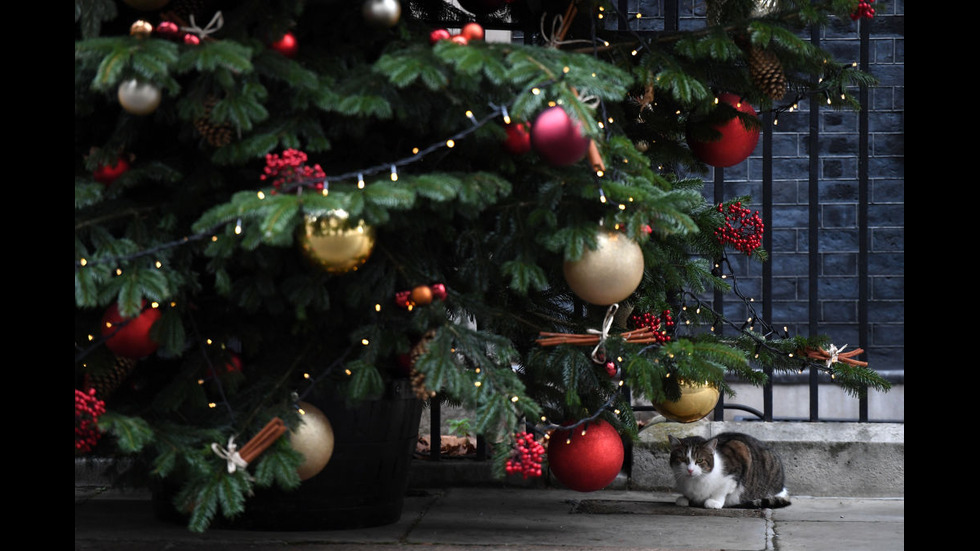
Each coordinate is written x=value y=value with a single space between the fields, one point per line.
x=88 y=408
x=525 y=457
x=743 y=228
x=290 y=168
x=660 y=324
x=864 y=10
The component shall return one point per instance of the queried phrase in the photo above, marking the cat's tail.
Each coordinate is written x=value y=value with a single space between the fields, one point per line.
x=769 y=502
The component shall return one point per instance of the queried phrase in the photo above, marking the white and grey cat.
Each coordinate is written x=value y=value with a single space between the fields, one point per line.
x=729 y=470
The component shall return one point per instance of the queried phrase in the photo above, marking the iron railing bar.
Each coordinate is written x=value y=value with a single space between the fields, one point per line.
x=813 y=225
x=767 y=287
x=863 y=199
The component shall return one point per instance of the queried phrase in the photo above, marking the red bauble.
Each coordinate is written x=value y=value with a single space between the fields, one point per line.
x=558 y=138
x=473 y=31
x=518 y=139
x=168 y=30
x=588 y=462
x=439 y=34
x=736 y=143
x=234 y=364
x=460 y=39
x=107 y=174
x=287 y=45
x=131 y=340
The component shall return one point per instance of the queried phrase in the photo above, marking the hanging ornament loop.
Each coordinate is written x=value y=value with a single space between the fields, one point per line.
x=599 y=352
x=212 y=27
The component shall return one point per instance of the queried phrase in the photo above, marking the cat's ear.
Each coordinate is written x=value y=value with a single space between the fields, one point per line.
x=674 y=441
x=710 y=445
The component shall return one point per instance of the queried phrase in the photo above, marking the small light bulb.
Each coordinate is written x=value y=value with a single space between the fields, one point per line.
x=450 y=144
x=82 y=262
x=306 y=375
x=377 y=307
x=118 y=271
x=365 y=342
x=348 y=372
x=535 y=91
x=394 y=174
x=261 y=195
x=514 y=399
x=506 y=115
x=478 y=384
x=212 y=405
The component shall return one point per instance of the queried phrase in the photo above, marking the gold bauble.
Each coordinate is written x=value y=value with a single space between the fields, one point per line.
x=141 y=28
x=333 y=243
x=609 y=273
x=695 y=403
x=139 y=98
x=314 y=439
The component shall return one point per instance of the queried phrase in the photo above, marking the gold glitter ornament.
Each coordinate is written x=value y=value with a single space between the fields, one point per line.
x=331 y=242
x=314 y=439
x=609 y=273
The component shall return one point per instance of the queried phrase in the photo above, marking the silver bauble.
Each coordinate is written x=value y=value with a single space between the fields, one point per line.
x=139 y=98
x=382 y=14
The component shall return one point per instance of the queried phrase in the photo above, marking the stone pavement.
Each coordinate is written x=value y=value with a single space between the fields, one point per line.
x=533 y=519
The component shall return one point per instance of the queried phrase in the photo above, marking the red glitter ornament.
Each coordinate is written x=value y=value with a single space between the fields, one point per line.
x=518 y=139
x=88 y=408
x=291 y=168
x=586 y=458
x=525 y=456
x=742 y=230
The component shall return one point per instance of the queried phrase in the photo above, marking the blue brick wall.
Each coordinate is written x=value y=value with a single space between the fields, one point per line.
x=838 y=191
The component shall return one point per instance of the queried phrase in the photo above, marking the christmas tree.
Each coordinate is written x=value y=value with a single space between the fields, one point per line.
x=278 y=197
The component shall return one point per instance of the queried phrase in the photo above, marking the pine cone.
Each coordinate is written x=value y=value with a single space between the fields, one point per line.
x=217 y=135
x=417 y=378
x=767 y=72
x=106 y=382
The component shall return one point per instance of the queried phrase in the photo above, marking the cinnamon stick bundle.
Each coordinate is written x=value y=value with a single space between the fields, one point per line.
x=262 y=440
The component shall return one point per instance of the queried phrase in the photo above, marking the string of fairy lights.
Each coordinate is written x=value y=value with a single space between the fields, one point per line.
x=496 y=112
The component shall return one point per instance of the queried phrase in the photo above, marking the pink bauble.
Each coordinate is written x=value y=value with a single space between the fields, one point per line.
x=586 y=462
x=736 y=143
x=558 y=138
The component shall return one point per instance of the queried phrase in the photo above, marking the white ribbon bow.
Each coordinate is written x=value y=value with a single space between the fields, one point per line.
x=604 y=333
x=230 y=455
x=833 y=351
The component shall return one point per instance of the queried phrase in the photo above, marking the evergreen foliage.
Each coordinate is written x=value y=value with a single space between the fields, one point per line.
x=193 y=230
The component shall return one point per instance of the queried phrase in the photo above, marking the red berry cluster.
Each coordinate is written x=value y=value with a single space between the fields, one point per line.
x=864 y=10
x=290 y=168
x=611 y=369
x=526 y=456
x=743 y=228
x=660 y=324
x=88 y=408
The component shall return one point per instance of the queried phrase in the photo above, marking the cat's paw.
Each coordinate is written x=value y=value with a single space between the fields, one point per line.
x=683 y=501
x=713 y=504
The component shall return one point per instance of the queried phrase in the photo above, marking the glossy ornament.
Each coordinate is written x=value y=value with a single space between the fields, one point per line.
x=422 y=295
x=736 y=142
x=107 y=174
x=314 y=439
x=609 y=273
x=130 y=337
x=139 y=98
x=439 y=34
x=695 y=403
x=287 y=45
x=558 y=138
x=141 y=29
x=168 y=30
x=382 y=14
x=331 y=242
x=586 y=462
x=473 y=31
